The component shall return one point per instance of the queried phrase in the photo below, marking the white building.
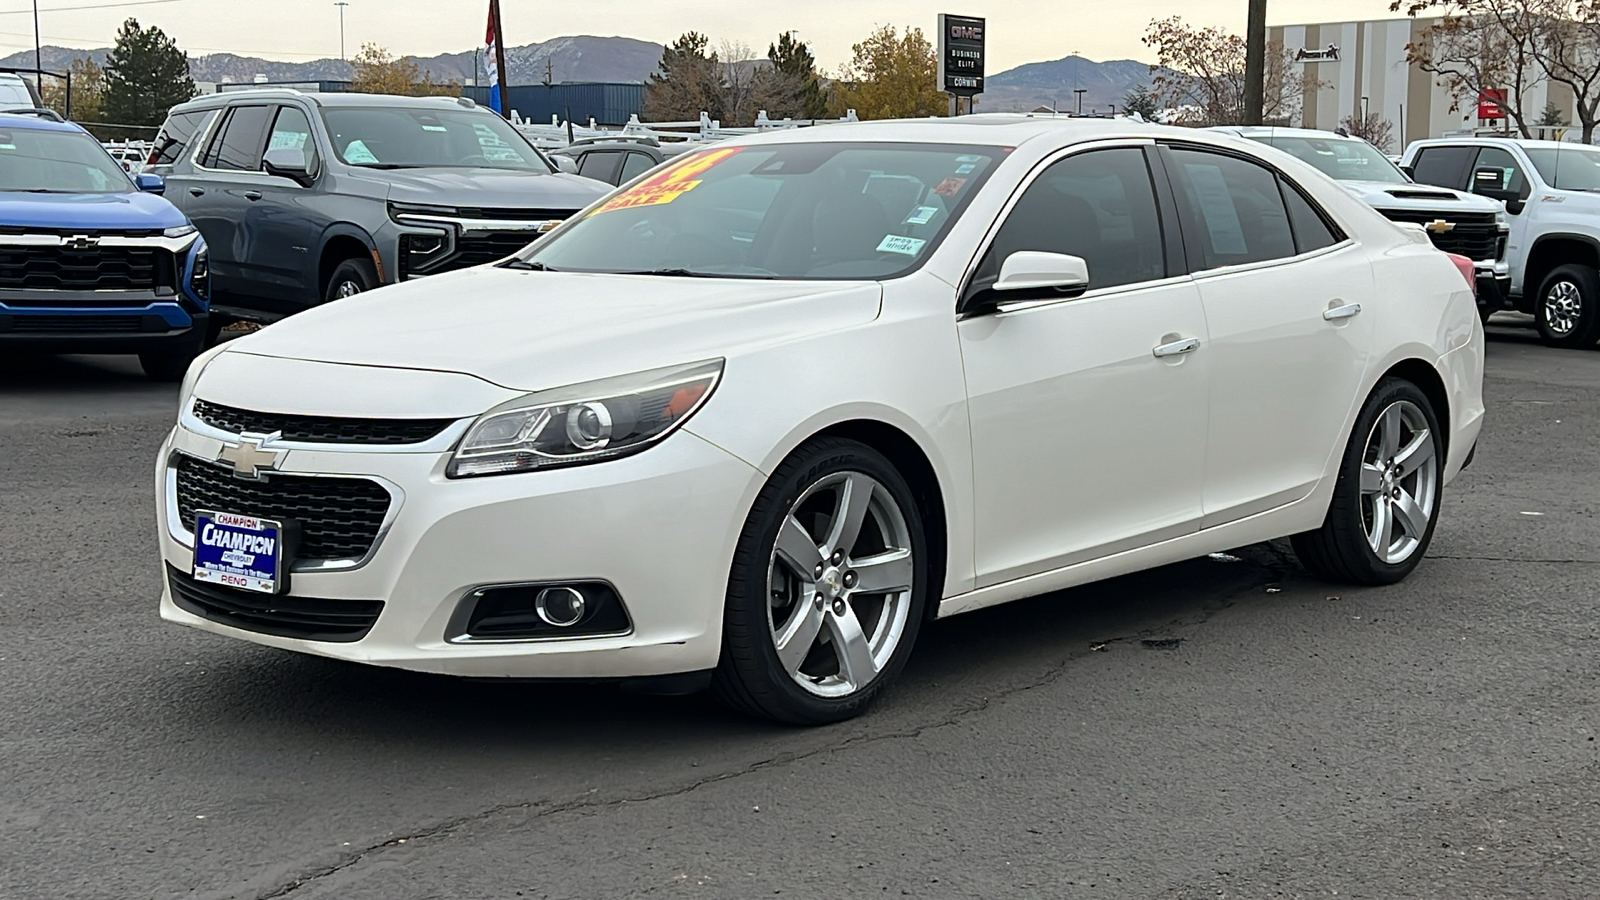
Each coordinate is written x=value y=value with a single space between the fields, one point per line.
x=1362 y=68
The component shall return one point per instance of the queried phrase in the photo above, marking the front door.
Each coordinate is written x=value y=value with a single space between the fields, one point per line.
x=1085 y=442
x=285 y=225
x=1282 y=290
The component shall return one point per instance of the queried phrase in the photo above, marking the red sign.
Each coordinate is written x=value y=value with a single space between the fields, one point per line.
x=1491 y=103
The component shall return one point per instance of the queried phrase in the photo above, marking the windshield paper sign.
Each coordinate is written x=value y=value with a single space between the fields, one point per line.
x=238 y=551
x=669 y=184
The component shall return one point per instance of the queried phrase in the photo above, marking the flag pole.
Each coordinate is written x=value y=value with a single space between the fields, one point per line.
x=500 y=58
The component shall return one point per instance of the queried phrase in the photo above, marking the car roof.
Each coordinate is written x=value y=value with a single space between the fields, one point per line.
x=330 y=99
x=1256 y=131
x=29 y=122
x=986 y=129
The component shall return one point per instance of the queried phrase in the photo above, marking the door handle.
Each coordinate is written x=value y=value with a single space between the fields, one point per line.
x=252 y=195
x=1187 y=345
x=1335 y=313
x=197 y=192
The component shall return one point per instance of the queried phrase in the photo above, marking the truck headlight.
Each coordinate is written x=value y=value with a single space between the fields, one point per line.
x=584 y=423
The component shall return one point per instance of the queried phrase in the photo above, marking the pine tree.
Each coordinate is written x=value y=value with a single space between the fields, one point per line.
x=790 y=86
x=1141 y=101
x=146 y=75
x=689 y=82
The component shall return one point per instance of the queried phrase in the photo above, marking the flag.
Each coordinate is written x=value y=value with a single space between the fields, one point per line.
x=492 y=64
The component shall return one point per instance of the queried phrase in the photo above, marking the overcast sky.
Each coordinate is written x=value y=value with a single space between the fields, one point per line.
x=297 y=30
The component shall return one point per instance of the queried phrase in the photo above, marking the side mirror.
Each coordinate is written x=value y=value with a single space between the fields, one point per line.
x=1411 y=172
x=1031 y=275
x=1493 y=183
x=287 y=162
x=150 y=184
x=565 y=164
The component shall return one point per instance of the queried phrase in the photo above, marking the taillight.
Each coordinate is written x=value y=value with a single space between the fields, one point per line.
x=1464 y=266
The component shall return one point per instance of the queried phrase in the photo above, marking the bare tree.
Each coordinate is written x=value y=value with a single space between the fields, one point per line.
x=1373 y=128
x=1199 y=72
x=1487 y=47
x=739 y=70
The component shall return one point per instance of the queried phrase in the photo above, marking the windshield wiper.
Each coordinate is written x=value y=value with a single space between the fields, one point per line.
x=526 y=266
x=385 y=166
x=673 y=273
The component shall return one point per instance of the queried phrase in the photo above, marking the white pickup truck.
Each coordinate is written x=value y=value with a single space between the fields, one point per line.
x=1456 y=221
x=1552 y=192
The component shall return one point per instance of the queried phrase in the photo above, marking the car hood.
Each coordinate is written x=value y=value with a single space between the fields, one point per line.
x=493 y=188
x=1418 y=197
x=536 y=330
x=133 y=210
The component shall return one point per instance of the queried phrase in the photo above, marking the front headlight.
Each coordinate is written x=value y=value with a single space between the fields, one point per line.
x=1500 y=220
x=584 y=423
x=178 y=231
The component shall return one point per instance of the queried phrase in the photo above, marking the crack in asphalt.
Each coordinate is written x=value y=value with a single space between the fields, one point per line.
x=1270 y=571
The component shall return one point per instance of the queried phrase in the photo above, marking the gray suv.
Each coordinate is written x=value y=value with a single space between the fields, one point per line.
x=305 y=198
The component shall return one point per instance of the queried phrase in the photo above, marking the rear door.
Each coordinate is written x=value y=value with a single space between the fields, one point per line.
x=1444 y=166
x=226 y=187
x=1282 y=289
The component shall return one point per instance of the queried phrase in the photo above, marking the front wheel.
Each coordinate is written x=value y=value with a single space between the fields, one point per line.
x=1386 y=500
x=351 y=277
x=828 y=587
x=1568 y=309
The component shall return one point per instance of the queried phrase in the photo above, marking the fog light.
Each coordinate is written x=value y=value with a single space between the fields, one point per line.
x=559 y=606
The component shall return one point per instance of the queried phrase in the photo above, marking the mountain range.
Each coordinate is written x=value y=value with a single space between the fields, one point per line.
x=619 y=59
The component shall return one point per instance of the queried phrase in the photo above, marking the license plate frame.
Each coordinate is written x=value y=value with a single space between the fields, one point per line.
x=228 y=548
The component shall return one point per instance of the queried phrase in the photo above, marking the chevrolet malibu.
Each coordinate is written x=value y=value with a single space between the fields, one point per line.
x=754 y=419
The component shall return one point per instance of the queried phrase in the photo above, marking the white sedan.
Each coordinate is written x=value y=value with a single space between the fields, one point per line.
x=755 y=418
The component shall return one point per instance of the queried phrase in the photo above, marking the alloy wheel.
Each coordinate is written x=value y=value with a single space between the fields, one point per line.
x=1399 y=482
x=1563 y=304
x=839 y=584
x=347 y=289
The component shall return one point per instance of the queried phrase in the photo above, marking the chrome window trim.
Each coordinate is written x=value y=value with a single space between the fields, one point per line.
x=1022 y=187
x=443 y=442
x=456 y=629
x=397 y=495
x=1205 y=274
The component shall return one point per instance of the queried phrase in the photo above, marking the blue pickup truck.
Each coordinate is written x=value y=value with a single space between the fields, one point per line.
x=93 y=260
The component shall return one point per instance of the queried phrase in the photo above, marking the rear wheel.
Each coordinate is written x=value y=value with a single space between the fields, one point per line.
x=828 y=588
x=1386 y=501
x=1568 y=308
x=351 y=277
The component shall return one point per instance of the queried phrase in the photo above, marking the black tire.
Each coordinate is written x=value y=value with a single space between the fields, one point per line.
x=1340 y=549
x=749 y=677
x=353 y=276
x=1567 y=309
x=167 y=365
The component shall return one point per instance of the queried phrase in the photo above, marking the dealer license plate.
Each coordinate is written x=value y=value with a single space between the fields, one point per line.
x=239 y=552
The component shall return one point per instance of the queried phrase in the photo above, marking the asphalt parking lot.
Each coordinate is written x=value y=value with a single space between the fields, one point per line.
x=1214 y=729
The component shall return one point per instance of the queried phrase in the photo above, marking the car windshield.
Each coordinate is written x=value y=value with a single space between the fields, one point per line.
x=1567 y=168
x=1344 y=159
x=57 y=162
x=413 y=138
x=803 y=210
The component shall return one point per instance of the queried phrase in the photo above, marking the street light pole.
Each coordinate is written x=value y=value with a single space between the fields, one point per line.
x=341 y=4
x=1255 y=61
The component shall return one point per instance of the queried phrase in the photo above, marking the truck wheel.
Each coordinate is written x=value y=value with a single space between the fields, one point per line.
x=351 y=277
x=1567 y=309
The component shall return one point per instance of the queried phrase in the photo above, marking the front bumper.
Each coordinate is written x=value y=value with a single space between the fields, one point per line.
x=1493 y=284
x=659 y=526
x=155 y=326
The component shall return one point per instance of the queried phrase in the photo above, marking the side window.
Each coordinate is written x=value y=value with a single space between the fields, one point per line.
x=1311 y=228
x=634 y=165
x=1233 y=208
x=176 y=135
x=1443 y=166
x=1509 y=175
x=1098 y=205
x=601 y=164
x=239 y=142
x=292 y=131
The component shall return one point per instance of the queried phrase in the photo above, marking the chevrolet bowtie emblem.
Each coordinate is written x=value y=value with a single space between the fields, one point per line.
x=250 y=457
x=80 y=242
x=1440 y=226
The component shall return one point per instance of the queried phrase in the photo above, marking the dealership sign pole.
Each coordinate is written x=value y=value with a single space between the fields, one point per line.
x=961 y=58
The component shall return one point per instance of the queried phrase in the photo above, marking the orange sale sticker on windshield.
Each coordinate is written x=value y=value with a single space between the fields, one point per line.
x=670 y=183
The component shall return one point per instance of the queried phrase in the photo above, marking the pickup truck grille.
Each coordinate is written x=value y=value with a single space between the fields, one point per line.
x=24 y=267
x=1473 y=235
